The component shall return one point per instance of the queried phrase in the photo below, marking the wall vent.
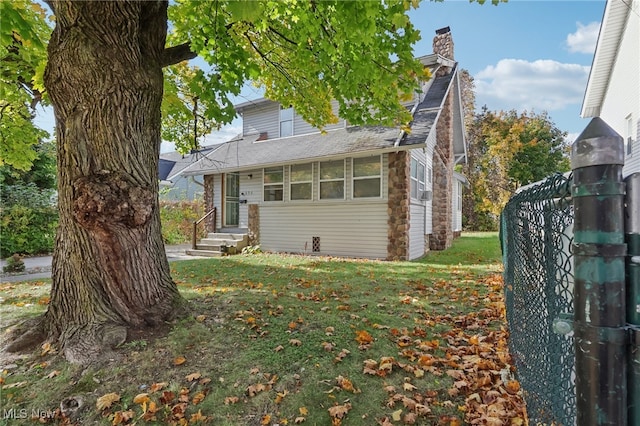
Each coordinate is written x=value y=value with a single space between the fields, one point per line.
x=315 y=244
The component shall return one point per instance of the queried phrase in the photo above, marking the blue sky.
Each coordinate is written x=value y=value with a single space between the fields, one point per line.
x=532 y=55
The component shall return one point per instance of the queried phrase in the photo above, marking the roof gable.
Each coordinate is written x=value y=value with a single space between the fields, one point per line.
x=616 y=14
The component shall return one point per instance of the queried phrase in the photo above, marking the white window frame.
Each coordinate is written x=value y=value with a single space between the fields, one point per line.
x=272 y=184
x=358 y=178
x=292 y=182
x=286 y=120
x=418 y=182
x=321 y=181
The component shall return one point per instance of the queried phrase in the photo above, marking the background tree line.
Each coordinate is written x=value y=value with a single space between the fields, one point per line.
x=506 y=150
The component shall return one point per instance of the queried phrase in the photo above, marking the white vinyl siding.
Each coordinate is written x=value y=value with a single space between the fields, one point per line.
x=416 y=232
x=345 y=229
x=419 y=210
x=456 y=200
x=622 y=97
x=263 y=119
x=301 y=127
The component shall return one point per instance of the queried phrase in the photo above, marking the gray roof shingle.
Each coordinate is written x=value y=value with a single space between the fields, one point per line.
x=246 y=152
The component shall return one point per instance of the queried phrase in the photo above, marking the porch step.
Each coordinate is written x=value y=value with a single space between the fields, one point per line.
x=219 y=244
x=201 y=252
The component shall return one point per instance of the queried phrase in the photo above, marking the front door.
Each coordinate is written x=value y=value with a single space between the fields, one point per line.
x=232 y=200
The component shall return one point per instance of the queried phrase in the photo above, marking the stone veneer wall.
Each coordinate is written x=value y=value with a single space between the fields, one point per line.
x=398 y=206
x=254 y=224
x=442 y=235
x=208 y=203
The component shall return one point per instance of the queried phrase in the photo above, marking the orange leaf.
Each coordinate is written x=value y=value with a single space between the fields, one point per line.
x=157 y=386
x=197 y=417
x=193 y=376
x=266 y=419
x=231 y=400
x=303 y=411
x=197 y=398
x=363 y=337
x=141 y=398
x=179 y=360
x=107 y=400
x=339 y=411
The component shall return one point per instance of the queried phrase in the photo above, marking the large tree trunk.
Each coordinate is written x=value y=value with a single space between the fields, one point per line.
x=104 y=78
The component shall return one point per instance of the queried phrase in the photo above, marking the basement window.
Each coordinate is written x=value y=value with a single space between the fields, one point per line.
x=315 y=244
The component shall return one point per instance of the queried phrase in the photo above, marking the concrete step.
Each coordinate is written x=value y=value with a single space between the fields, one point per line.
x=203 y=252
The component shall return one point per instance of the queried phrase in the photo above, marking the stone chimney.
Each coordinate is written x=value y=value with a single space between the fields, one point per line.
x=443 y=43
x=443 y=46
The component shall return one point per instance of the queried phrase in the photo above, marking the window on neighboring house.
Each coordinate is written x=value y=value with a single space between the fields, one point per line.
x=332 y=180
x=301 y=185
x=417 y=178
x=286 y=122
x=628 y=141
x=430 y=175
x=273 y=183
x=367 y=172
x=459 y=196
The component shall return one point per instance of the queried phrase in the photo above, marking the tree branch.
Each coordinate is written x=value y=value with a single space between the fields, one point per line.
x=176 y=54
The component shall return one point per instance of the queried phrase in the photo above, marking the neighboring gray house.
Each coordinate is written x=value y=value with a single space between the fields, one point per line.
x=613 y=89
x=372 y=192
x=174 y=186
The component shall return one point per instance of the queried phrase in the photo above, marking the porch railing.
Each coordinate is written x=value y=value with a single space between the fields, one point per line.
x=194 y=236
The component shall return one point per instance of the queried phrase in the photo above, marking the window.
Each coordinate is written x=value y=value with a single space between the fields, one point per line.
x=366 y=177
x=459 y=196
x=417 y=178
x=301 y=186
x=332 y=180
x=273 y=184
x=286 y=122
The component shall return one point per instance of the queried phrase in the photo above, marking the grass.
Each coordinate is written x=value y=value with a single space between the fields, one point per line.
x=283 y=339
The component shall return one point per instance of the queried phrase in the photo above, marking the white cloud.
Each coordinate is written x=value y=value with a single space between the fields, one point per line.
x=584 y=39
x=523 y=85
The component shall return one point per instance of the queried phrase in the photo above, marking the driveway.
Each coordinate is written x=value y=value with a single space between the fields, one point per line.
x=39 y=267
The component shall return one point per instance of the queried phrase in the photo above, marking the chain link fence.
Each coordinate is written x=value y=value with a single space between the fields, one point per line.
x=536 y=237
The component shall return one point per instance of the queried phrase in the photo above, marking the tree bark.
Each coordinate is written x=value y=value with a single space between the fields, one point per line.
x=110 y=271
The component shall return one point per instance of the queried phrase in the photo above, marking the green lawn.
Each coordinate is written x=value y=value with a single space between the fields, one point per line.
x=282 y=339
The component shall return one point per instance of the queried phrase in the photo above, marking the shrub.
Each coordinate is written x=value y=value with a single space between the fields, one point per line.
x=28 y=220
x=14 y=264
x=177 y=219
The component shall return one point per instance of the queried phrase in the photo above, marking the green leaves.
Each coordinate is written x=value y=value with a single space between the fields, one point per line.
x=23 y=39
x=305 y=54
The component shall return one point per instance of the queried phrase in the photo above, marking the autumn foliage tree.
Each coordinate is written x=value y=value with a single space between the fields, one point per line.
x=508 y=150
x=104 y=78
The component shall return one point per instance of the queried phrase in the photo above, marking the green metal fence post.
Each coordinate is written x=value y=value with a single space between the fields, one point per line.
x=599 y=251
x=632 y=234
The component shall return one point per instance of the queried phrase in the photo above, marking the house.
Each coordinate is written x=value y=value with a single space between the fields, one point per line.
x=613 y=89
x=371 y=192
x=174 y=186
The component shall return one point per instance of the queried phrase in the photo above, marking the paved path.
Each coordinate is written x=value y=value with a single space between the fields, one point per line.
x=39 y=267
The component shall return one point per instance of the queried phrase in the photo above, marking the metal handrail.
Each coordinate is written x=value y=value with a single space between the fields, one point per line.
x=194 y=236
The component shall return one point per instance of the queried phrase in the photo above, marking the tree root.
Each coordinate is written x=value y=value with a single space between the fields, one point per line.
x=24 y=336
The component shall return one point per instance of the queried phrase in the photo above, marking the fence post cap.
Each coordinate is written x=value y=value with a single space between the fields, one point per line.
x=598 y=144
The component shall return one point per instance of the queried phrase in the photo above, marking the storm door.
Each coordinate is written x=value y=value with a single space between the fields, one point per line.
x=232 y=200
